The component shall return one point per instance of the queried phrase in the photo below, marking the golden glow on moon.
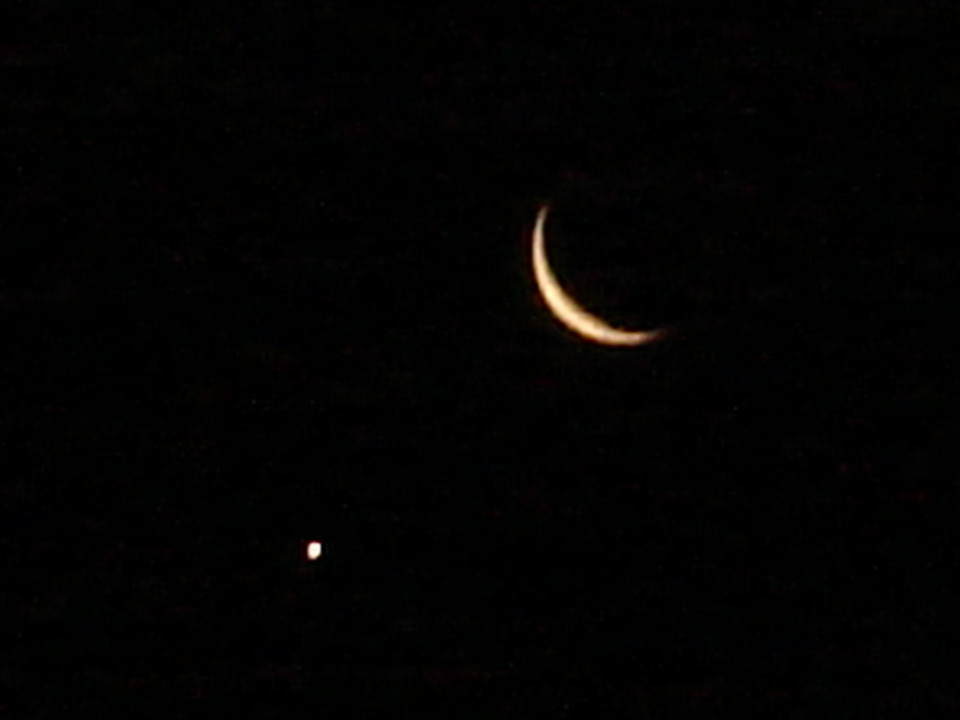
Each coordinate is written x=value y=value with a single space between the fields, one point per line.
x=314 y=550
x=566 y=309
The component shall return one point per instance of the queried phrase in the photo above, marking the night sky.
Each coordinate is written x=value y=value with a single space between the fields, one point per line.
x=265 y=279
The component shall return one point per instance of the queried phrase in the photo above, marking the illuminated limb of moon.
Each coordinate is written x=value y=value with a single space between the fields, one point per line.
x=566 y=309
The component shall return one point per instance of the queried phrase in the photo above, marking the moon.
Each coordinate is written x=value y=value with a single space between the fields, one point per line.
x=565 y=309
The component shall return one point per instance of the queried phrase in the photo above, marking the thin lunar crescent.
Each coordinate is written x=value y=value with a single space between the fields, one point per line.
x=566 y=309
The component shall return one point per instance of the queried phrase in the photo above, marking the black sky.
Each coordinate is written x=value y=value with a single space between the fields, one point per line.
x=265 y=279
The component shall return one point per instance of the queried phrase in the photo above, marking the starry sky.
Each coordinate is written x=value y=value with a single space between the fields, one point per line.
x=265 y=279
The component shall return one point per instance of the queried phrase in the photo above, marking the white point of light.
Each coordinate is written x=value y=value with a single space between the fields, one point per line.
x=566 y=309
x=314 y=550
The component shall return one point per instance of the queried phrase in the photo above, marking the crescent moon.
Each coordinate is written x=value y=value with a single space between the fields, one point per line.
x=565 y=309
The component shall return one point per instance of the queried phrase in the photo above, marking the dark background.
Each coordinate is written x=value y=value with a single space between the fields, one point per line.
x=264 y=278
